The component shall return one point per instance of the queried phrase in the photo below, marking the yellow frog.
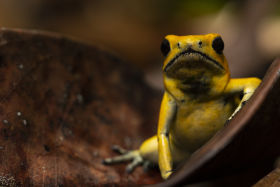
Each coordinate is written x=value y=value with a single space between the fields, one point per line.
x=199 y=98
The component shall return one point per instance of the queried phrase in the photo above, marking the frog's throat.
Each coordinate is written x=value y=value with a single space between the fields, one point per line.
x=191 y=51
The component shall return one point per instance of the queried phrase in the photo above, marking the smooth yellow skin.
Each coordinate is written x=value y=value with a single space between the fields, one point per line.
x=199 y=98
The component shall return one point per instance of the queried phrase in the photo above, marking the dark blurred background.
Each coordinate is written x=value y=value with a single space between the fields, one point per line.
x=134 y=29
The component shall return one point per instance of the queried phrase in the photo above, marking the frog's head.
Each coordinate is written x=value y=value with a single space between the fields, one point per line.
x=195 y=62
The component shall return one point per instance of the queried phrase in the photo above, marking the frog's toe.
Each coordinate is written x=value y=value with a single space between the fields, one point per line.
x=127 y=156
x=138 y=160
x=134 y=156
x=117 y=159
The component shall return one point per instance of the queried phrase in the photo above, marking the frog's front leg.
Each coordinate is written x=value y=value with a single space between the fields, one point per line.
x=167 y=113
x=246 y=86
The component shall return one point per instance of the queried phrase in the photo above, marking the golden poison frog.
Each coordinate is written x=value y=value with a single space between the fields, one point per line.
x=200 y=96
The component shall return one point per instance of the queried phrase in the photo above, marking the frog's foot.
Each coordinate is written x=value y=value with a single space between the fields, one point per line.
x=134 y=156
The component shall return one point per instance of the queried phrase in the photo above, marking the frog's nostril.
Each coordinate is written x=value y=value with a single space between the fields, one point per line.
x=165 y=47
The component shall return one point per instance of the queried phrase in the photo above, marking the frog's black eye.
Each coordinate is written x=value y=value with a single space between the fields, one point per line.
x=165 y=47
x=218 y=45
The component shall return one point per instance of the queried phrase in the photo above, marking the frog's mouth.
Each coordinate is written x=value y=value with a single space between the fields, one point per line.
x=188 y=56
